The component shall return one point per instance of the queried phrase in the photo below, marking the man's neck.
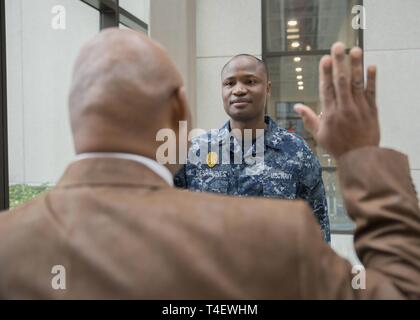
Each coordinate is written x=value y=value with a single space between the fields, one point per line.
x=253 y=125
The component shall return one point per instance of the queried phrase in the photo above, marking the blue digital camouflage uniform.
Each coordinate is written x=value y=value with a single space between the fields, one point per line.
x=288 y=170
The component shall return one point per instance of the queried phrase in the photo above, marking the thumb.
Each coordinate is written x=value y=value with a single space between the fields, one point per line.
x=310 y=119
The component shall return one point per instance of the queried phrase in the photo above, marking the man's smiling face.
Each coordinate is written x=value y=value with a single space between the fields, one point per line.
x=245 y=88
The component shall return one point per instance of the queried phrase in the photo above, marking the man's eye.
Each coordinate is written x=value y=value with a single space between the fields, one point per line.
x=251 y=81
x=229 y=84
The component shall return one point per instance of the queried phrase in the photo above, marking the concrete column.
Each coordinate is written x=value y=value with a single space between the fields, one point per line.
x=224 y=28
x=392 y=42
x=172 y=23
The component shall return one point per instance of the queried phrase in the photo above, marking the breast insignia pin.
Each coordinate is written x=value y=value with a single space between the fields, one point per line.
x=212 y=159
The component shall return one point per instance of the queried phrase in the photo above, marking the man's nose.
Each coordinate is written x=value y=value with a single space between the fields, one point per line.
x=239 y=90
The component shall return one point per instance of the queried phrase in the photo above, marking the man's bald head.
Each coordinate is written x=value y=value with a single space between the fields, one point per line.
x=125 y=88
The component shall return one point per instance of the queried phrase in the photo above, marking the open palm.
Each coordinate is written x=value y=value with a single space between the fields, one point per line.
x=349 y=114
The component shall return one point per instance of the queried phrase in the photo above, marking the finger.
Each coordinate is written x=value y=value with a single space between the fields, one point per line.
x=310 y=120
x=370 y=92
x=326 y=86
x=340 y=75
x=357 y=85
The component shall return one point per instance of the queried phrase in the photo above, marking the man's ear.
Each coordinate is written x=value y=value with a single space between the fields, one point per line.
x=269 y=88
x=268 y=96
x=180 y=110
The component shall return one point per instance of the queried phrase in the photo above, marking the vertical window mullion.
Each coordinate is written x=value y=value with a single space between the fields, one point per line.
x=110 y=16
x=4 y=168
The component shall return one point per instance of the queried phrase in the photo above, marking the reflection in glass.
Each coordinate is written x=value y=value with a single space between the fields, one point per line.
x=294 y=25
x=295 y=80
x=339 y=219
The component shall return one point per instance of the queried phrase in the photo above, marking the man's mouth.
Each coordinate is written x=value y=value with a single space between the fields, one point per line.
x=240 y=103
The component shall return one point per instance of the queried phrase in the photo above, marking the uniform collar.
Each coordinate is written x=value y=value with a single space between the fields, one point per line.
x=272 y=134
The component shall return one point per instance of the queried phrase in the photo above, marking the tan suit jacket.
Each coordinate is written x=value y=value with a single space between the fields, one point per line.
x=121 y=232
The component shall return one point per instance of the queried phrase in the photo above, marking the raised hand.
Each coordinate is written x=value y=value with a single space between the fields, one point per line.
x=349 y=114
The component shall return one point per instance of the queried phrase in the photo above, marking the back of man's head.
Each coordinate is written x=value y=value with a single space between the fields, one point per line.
x=125 y=88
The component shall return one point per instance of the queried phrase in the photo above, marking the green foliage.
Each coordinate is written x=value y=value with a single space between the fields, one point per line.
x=21 y=193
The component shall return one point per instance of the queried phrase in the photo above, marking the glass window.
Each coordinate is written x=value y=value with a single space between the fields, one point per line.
x=127 y=23
x=297 y=35
x=43 y=40
x=308 y=25
x=138 y=8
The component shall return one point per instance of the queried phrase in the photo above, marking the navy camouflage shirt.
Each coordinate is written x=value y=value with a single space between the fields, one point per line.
x=282 y=167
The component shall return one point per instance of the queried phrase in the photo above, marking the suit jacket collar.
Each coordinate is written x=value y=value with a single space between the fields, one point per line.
x=110 y=171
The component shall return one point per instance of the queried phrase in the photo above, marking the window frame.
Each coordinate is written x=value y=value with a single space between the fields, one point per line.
x=111 y=15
